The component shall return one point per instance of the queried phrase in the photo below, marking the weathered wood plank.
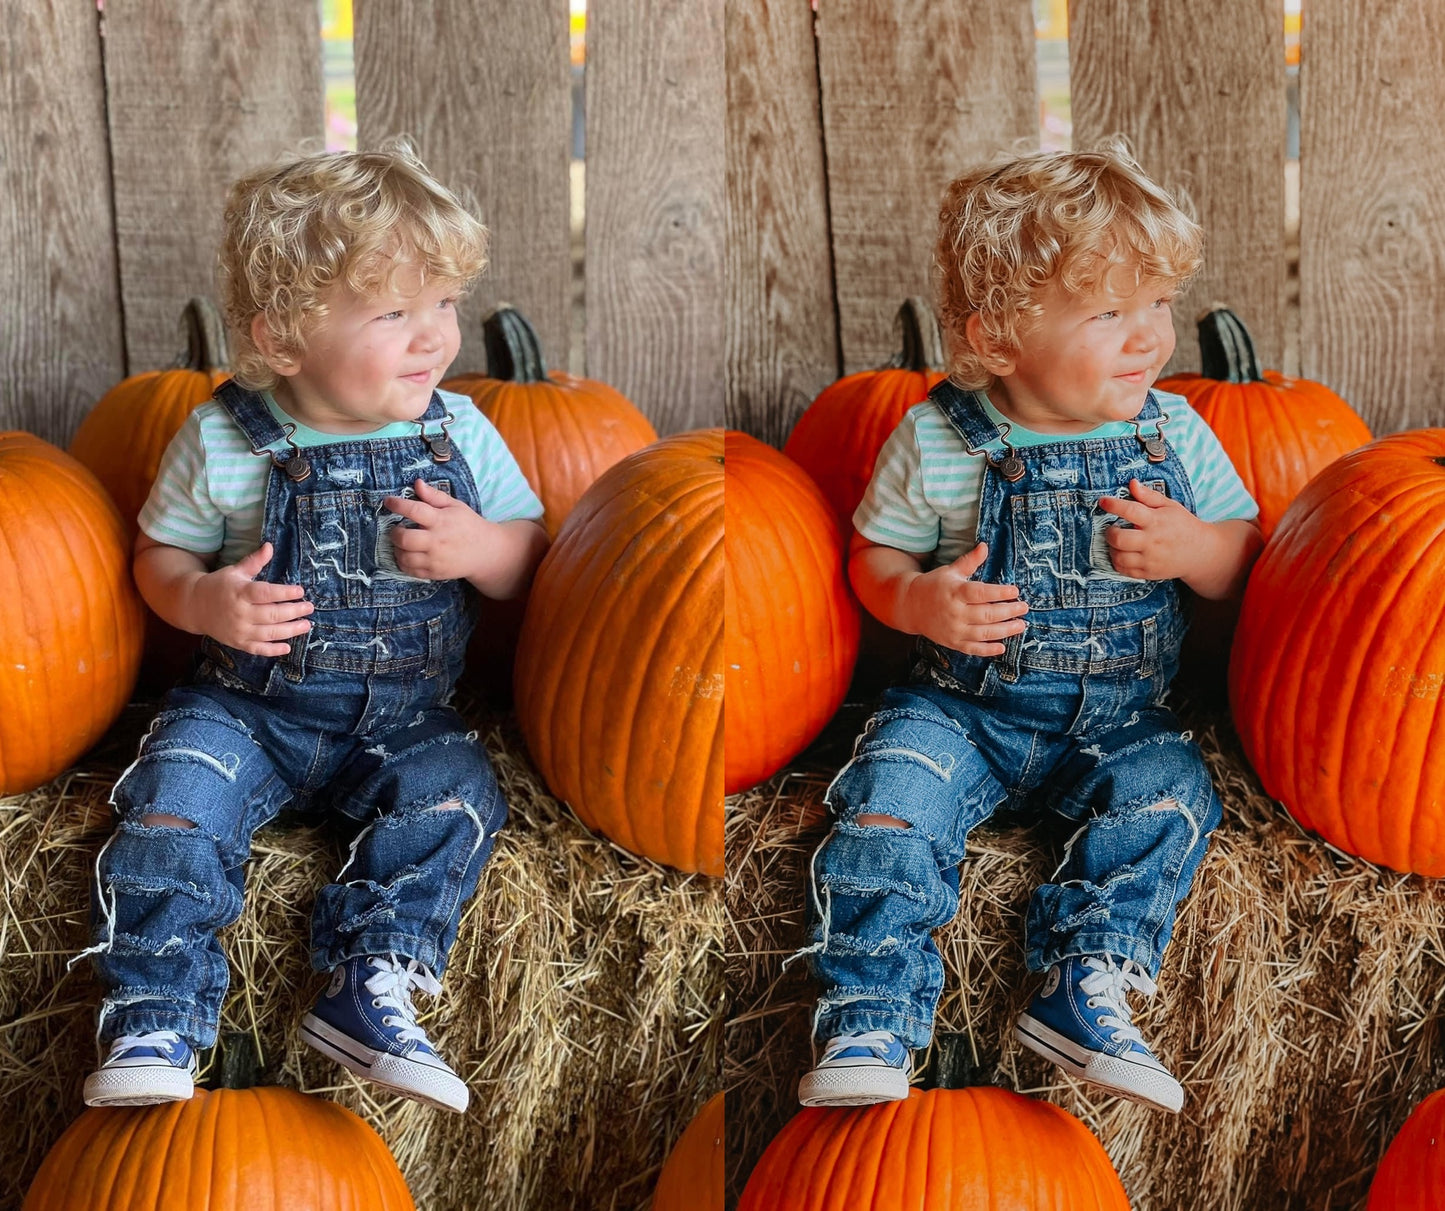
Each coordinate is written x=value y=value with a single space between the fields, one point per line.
x=483 y=87
x=1206 y=114
x=782 y=325
x=914 y=91
x=657 y=206
x=1372 y=208
x=198 y=95
x=60 y=322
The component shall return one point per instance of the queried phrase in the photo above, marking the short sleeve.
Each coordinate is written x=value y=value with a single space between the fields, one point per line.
x=1219 y=493
x=179 y=511
x=503 y=493
x=894 y=511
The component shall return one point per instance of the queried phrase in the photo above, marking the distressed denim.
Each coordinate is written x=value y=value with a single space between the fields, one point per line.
x=1070 y=719
x=354 y=722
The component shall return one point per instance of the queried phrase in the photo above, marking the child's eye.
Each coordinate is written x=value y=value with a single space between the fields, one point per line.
x=448 y=302
x=390 y=315
x=1166 y=301
x=1106 y=315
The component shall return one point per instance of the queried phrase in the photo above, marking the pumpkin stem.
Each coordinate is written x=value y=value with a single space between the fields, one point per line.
x=1225 y=351
x=513 y=351
x=921 y=343
x=953 y=1063
x=240 y=1066
x=205 y=335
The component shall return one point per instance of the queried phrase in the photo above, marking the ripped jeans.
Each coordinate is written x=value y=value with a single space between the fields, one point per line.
x=1098 y=750
x=420 y=796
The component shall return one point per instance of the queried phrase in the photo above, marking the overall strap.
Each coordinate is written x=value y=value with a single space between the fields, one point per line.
x=251 y=415
x=964 y=411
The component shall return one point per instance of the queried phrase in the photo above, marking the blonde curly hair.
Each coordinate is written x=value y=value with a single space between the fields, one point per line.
x=1008 y=230
x=299 y=228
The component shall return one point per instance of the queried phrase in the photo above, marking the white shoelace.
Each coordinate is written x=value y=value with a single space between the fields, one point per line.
x=878 y=1040
x=1107 y=985
x=161 y=1040
x=391 y=987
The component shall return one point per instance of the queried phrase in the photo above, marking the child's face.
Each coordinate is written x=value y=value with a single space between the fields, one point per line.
x=1090 y=358
x=373 y=360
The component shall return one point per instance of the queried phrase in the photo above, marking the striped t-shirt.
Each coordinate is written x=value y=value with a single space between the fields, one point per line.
x=925 y=490
x=210 y=491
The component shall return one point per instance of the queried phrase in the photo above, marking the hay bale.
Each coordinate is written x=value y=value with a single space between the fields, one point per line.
x=1300 y=1002
x=583 y=1003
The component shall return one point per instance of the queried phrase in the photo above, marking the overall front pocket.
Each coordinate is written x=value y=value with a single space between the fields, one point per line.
x=346 y=556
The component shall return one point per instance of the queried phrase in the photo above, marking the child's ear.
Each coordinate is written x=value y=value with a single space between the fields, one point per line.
x=279 y=361
x=995 y=360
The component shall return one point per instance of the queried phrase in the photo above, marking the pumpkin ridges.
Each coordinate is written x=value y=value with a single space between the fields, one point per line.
x=1367 y=614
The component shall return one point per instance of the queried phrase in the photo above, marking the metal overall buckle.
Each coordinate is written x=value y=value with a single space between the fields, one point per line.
x=1155 y=449
x=439 y=445
x=297 y=467
x=1010 y=466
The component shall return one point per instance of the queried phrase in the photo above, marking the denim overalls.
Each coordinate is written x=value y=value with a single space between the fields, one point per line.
x=355 y=719
x=1070 y=717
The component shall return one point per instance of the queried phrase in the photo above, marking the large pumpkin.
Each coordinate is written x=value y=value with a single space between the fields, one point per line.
x=692 y=1177
x=71 y=621
x=838 y=438
x=264 y=1149
x=619 y=679
x=981 y=1149
x=563 y=431
x=123 y=437
x=1411 y=1177
x=792 y=625
x=1339 y=661
x=1278 y=432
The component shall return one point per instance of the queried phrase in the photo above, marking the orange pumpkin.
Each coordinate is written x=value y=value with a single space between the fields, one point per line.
x=692 y=1177
x=838 y=438
x=265 y=1149
x=1411 y=1177
x=71 y=621
x=939 y=1150
x=619 y=679
x=563 y=431
x=123 y=437
x=1339 y=661
x=791 y=624
x=1278 y=432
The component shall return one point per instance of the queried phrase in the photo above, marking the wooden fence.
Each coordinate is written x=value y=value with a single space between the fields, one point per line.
x=762 y=180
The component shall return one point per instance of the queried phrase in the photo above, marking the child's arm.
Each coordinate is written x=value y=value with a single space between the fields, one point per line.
x=971 y=616
x=452 y=541
x=229 y=604
x=1168 y=542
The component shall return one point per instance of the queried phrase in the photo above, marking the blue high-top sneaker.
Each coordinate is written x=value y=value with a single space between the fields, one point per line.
x=858 y=1070
x=1081 y=1020
x=144 y=1070
x=366 y=1022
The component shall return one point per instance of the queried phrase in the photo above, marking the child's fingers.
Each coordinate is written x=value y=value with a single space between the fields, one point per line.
x=413 y=510
x=263 y=591
x=986 y=613
x=970 y=561
x=981 y=649
x=251 y=565
x=432 y=496
x=1120 y=539
x=979 y=591
x=1130 y=510
x=1146 y=495
x=405 y=539
x=271 y=613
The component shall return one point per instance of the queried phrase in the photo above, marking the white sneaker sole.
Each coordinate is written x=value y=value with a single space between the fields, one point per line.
x=407 y=1077
x=1126 y=1078
x=865 y=1085
x=140 y=1085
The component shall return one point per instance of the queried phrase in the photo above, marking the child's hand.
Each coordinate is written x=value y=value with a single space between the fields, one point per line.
x=970 y=616
x=233 y=607
x=448 y=538
x=1167 y=541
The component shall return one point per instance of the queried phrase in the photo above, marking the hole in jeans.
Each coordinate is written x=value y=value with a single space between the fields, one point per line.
x=163 y=820
x=876 y=818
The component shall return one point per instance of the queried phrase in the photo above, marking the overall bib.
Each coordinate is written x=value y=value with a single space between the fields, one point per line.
x=1070 y=717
